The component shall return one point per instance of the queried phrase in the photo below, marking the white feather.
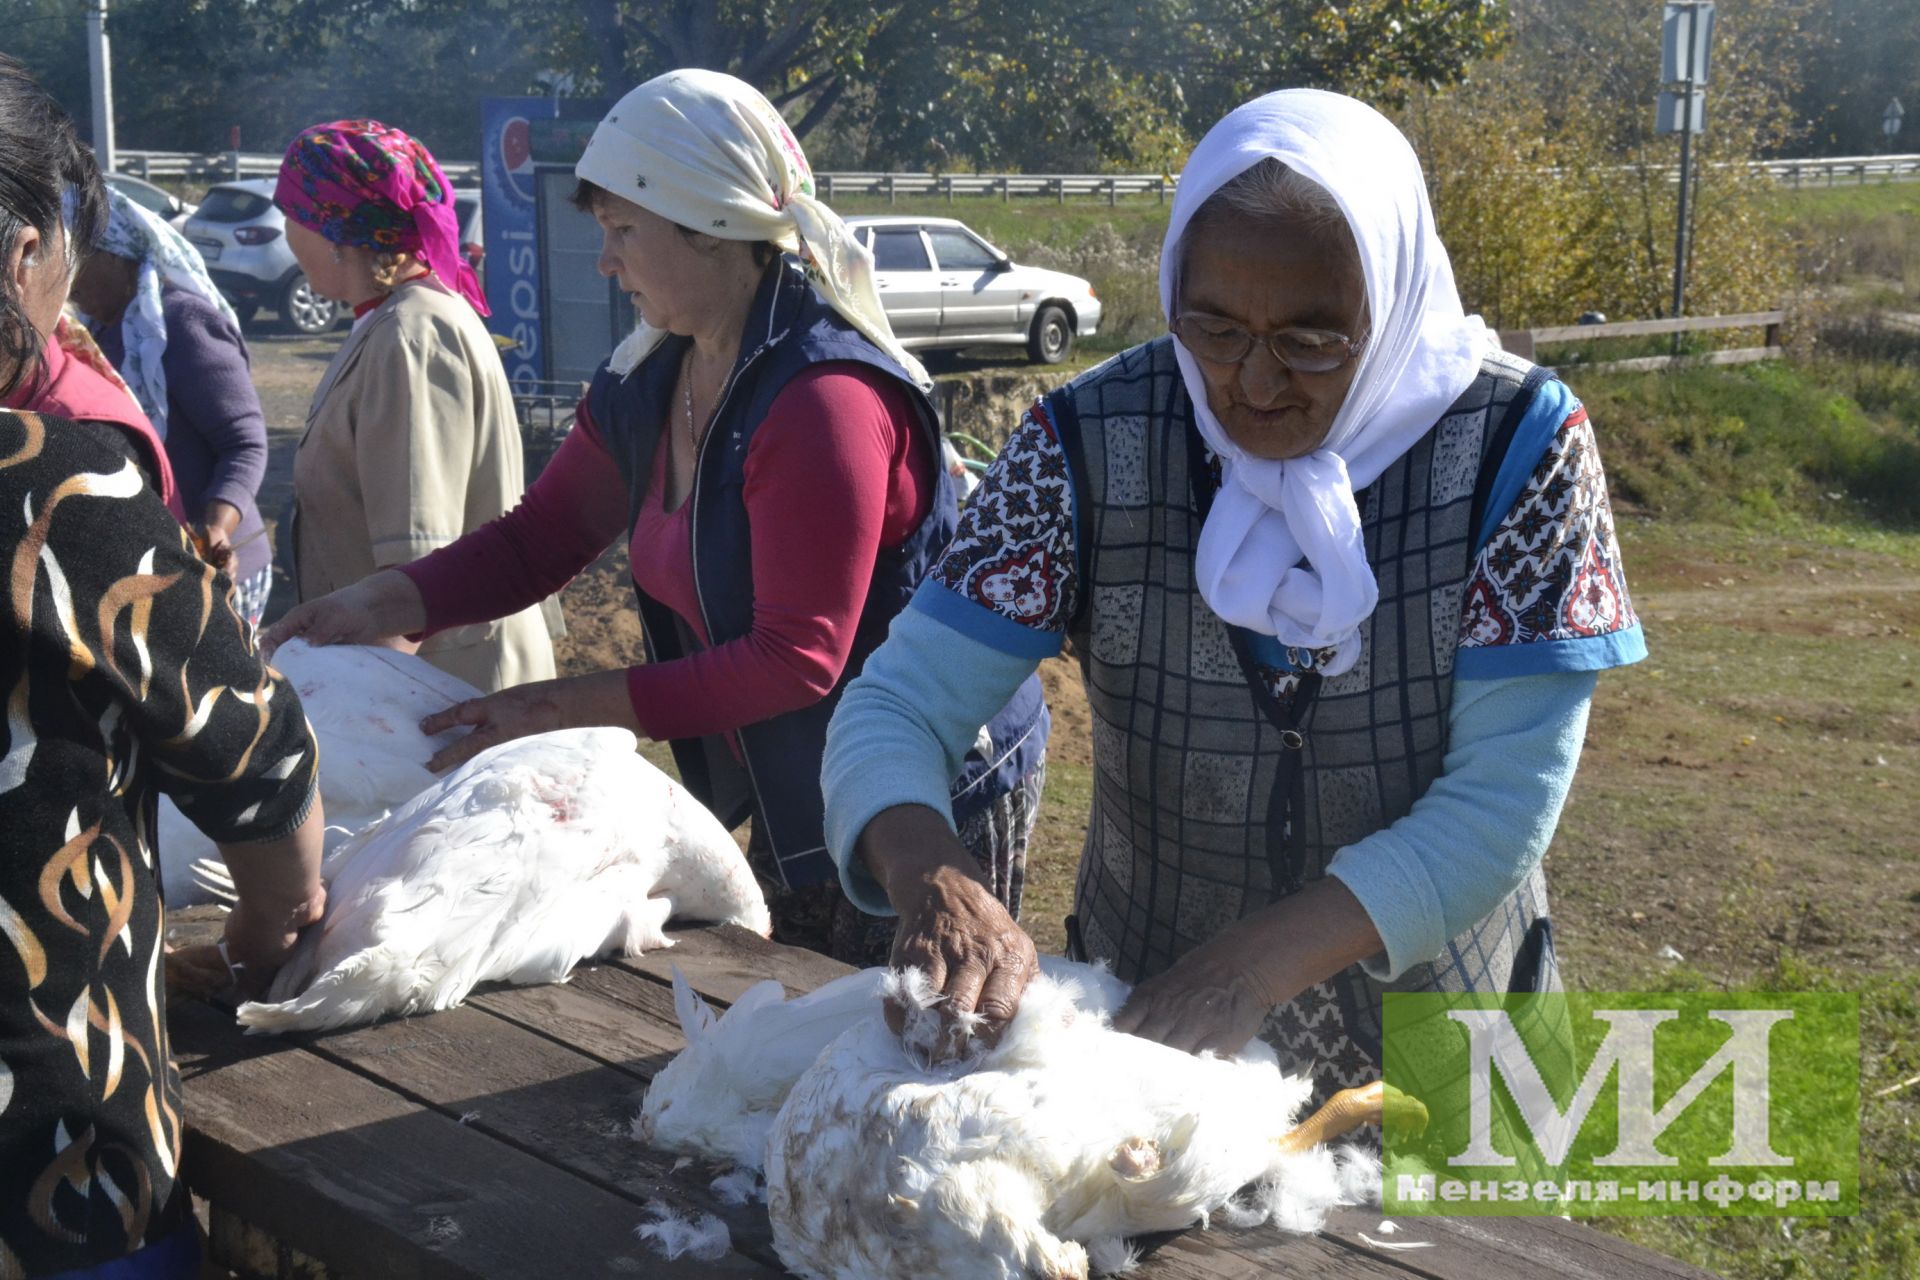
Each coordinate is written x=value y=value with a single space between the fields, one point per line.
x=1039 y=1156
x=526 y=860
x=364 y=704
x=698 y=1235
x=718 y=1097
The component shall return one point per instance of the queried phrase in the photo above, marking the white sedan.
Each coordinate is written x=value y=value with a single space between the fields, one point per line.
x=943 y=286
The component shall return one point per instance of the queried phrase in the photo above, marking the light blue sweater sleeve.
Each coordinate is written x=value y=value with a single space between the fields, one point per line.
x=901 y=732
x=905 y=724
x=1483 y=824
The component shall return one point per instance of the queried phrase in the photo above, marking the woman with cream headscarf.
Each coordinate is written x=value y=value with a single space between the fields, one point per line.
x=1340 y=575
x=767 y=451
x=147 y=299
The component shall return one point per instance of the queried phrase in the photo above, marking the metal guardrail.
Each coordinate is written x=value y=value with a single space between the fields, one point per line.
x=1004 y=185
x=225 y=166
x=229 y=166
x=545 y=413
x=1857 y=169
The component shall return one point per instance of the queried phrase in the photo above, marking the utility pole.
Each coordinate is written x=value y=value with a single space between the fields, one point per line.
x=100 y=65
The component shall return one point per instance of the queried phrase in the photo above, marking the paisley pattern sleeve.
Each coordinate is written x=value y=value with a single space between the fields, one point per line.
x=1548 y=591
x=124 y=671
x=1013 y=553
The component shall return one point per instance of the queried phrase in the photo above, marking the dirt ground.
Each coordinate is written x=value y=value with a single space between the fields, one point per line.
x=1751 y=790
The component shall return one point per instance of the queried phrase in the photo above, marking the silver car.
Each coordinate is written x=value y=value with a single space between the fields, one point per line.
x=243 y=237
x=943 y=286
x=170 y=209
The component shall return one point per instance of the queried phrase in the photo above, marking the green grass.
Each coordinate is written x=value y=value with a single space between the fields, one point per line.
x=1815 y=205
x=1054 y=852
x=1859 y=237
x=1883 y=1241
x=1836 y=440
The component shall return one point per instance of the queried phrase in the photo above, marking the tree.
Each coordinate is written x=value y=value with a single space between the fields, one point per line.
x=1863 y=54
x=1032 y=84
x=1037 y=83
x=1555 y=196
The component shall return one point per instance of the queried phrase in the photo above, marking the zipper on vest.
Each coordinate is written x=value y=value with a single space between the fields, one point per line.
x=700 y=595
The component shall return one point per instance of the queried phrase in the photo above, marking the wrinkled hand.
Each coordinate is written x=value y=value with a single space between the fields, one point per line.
x=518 y=712
x=1214 y=999
x=963 y=939
x=381 y=608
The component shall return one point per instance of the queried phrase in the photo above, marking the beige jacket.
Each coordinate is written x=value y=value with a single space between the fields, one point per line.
x=411 y=441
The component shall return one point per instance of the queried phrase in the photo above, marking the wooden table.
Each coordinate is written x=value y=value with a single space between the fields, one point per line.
x=492 y=1141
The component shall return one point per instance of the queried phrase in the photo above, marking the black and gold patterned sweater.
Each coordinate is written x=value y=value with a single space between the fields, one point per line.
x=124 y=672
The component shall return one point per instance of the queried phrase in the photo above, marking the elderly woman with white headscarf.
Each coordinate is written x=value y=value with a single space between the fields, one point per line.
x=146 y=296
x=1339 y=574
x=767 y=451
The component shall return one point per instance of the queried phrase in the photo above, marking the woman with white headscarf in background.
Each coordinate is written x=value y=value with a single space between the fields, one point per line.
x=768 y=452
x=146 y=296
x=1339 y=574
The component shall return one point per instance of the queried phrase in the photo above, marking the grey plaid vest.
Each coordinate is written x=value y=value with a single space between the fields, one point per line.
x=1212 y=798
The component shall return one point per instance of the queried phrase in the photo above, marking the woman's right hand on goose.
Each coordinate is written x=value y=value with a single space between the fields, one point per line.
x=951 y=927
x=381 y=608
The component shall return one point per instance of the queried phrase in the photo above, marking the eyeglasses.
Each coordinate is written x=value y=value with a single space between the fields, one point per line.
x=1222 y=341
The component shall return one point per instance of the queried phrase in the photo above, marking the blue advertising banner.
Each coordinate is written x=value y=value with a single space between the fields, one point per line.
x=512 y=235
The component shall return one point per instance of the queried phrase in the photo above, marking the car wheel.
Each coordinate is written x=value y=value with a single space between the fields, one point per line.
x=302 y=311
x=1051 y=339
x=244 y=312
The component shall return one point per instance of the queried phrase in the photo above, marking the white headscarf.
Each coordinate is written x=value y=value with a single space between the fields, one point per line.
x=707 y=151
x=165 y=257
x=1281 y=552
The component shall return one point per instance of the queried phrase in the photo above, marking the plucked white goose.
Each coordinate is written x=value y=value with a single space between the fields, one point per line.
x=529 y=858
x=364 y=704
x=1035 y=1158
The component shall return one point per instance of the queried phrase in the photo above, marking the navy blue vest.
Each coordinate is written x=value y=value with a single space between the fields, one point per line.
x=788 y=329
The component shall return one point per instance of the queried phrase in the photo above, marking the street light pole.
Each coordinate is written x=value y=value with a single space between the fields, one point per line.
x=100 y=68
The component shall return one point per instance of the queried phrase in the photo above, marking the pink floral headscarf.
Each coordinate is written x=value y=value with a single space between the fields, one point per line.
x=364 y=184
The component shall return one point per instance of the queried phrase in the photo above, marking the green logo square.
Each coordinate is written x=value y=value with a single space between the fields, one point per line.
x=1627 y=1103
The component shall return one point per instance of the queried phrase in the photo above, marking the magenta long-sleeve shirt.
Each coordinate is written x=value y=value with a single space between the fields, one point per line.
x=838 y=469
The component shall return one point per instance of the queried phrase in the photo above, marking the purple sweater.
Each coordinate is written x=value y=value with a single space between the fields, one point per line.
x=216 y=433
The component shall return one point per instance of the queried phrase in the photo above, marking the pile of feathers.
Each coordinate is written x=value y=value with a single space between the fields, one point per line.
x=1038 y=1156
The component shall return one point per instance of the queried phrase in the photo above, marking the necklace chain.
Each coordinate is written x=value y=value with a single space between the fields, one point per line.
x=686 y=393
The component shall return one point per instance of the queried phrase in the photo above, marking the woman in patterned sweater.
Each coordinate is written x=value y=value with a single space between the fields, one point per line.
x=1339 y=575
x=124 y=671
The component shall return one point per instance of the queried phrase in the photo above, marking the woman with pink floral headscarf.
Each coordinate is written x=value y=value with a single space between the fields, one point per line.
x=411 y=439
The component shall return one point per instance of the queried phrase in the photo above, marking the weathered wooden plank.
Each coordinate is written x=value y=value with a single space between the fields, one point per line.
x=539 y=1097
x=1649 y=328
x=1509 y=1248
x=195 y=926
x=721 y=961
x=377 y=1186
x=1647 y=364
x=1229 y=1254
x=615 y=1017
